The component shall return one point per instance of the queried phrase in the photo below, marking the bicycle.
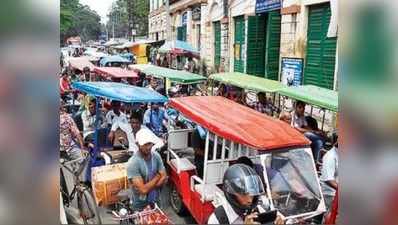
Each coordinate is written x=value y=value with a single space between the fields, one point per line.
x=85 y=201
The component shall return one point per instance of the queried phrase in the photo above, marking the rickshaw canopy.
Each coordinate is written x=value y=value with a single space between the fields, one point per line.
x=116 y=72
x=81 y=62
x=112 y=59
x=317 y=96
x=178 y=47
x=119 y=91
x=177 y=76
x=239 y=123
x=249 y=82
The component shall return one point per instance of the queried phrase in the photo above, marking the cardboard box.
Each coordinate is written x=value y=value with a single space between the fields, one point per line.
x=107 y=182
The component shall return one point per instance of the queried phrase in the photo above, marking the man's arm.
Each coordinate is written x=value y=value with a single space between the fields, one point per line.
x=162 y=179
x=138 y=184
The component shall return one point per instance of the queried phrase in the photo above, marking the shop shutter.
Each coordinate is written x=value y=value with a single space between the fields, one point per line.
x=256 y=46
x=321 y=51
x=273 y=38
x=217 y=43
x=239 y=43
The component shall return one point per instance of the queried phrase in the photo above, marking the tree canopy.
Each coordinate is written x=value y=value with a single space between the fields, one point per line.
x=78 y=20
x=119 y=18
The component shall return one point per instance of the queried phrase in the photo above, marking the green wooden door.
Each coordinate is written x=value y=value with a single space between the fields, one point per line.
x=256 y=46
x=273 y=38
x=321 y=51
x=217 y=43
x=239 y=44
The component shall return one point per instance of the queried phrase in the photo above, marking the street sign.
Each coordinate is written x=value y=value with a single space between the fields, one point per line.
x=292 y=71
x=267 y=5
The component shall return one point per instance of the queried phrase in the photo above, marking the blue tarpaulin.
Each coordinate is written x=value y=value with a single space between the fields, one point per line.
x=267 y=5
x=112 y=59
x=119 y=91
x=178 y=45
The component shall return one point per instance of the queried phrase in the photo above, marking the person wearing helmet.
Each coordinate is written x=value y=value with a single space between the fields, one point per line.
x=243 y=190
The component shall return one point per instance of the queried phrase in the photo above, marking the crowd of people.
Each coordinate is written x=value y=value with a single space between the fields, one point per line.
x=140 y=129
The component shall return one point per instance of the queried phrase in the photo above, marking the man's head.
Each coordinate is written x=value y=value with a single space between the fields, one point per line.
x=92 y=106
x=242 y=187
x=285 y=117
x=300 y=108
x=136 y=121
x=153 y=83
x=261 y=97
x=155 y=106
x=116 y=106
x=144 y=141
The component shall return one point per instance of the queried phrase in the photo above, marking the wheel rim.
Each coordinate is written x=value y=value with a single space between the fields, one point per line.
x=175 y=199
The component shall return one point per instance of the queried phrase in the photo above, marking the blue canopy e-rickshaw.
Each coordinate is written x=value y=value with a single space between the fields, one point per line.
x=112 y=60
x=113 y=91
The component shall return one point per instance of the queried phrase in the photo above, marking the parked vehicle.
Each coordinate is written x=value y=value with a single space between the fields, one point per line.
x=233 y=131
x=170 y=76
x=112 y=91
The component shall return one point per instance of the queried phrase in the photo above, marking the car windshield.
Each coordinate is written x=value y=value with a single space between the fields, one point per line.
x=293 y=182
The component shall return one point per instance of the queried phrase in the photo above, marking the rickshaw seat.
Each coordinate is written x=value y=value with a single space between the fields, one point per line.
x=183 y=164
x=208 y=191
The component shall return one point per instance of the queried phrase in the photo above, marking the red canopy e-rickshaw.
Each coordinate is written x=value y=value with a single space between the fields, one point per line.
x=116 y=74
x=291 y=181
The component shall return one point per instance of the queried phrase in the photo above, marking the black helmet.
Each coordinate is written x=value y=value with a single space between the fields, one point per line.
x=242 y=179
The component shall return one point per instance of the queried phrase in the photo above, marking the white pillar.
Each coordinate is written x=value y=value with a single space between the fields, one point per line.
x=189 y=27
x=203 y=32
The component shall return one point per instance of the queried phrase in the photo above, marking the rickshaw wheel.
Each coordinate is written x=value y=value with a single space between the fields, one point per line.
x=176 y=201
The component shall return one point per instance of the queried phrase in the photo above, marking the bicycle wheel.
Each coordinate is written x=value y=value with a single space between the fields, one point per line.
x=87 y=208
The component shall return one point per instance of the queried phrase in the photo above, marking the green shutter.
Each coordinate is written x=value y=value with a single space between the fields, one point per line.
x=217 y=43
x=239 y=42
x=182 y=33
x=255 y=46
x=179 y=33
x=321 y=51
x=273 y=40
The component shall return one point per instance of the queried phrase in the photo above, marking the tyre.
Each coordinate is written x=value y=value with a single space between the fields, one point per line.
x=176 y=201
x=87 y=208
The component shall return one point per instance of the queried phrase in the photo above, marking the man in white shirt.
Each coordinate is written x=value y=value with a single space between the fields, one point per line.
x=88 y=119
x=115 y=117
x=132 y=129
x=298 y=117
x=329 y=174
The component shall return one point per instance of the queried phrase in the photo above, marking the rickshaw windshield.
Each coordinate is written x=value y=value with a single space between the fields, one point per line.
x=292 y=182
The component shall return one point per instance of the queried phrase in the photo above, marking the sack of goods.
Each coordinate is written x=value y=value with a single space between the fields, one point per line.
x=107 y=182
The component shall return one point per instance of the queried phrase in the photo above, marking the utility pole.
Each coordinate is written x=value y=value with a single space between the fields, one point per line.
x=130 y=5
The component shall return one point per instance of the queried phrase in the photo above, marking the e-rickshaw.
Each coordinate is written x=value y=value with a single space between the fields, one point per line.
x=113 y=91
x=322 y=98
x=79 y=63
x=248 y=82
x=113 y=61
x=166 y=74
x=116 y=74
x=291 y=181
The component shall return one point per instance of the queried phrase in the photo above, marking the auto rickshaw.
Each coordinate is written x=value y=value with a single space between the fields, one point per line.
x=116 y=74
x=112 y=91
x=250 y=83
x=233 y=131
x=170 y=76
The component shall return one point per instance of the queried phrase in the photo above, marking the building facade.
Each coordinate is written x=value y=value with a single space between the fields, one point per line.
x=157 y=20
x=261 y=37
